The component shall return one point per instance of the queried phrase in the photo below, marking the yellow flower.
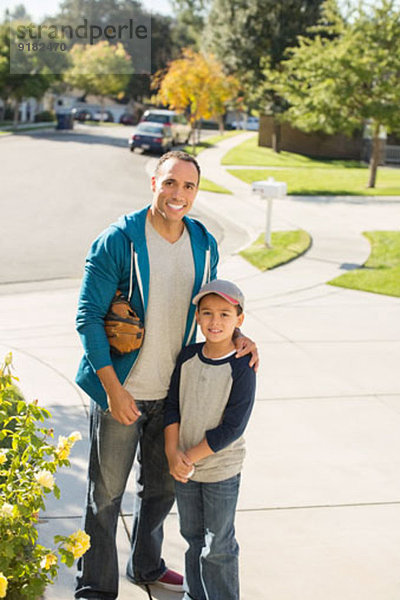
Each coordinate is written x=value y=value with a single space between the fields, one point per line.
x=3 y=457
x=63 y=447
x=3 y=586
x=48 y=561
x=6 y=510
x=45 y=479
x=79 y=543
x=75 y=436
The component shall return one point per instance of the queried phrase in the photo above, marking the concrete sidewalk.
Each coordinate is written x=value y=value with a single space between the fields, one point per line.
x=319 y=511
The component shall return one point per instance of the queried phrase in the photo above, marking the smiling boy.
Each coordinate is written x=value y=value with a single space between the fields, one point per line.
x=208 y=406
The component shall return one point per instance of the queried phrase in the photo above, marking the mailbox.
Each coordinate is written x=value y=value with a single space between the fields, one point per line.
x=269 y=189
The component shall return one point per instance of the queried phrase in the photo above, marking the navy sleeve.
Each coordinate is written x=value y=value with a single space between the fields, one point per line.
x=171 y=406
x=238 y=409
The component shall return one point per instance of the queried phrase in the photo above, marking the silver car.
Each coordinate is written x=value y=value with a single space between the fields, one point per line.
x=180 y=127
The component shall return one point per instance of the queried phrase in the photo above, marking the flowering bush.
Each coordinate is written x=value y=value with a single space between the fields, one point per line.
x=28 y=462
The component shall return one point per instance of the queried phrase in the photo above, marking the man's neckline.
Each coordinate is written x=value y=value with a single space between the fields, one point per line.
x=166 y=240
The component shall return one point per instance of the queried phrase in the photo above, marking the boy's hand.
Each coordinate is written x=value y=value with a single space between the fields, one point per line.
x=245 y=345
x=179 y=466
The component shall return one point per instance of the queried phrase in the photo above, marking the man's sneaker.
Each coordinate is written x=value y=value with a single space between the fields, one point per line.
x=171 y=581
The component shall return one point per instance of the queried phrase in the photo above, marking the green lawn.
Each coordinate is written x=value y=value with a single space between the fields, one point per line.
x=209 y=186
x=327 y=181
x=308 y=176
x=381 y=272
x=23 y=128
x=103 y=124
x=286 y=246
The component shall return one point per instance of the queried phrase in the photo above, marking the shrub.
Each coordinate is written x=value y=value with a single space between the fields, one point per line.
x=28 y=462
x=46 y=116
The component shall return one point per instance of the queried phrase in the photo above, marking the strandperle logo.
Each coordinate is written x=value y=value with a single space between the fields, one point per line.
x=85 y=31
x=49 y=44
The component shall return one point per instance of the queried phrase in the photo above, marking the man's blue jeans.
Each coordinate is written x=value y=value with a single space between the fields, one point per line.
x=207 y=522
x=112 y=452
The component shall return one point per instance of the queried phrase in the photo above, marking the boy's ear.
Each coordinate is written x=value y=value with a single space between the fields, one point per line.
x=240 y=320
x=196 y=314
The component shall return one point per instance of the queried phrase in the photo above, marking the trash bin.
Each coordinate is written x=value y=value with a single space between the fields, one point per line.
x=65 y=119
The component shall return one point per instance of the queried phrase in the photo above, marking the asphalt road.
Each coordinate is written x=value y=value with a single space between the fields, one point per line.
x=59 y=189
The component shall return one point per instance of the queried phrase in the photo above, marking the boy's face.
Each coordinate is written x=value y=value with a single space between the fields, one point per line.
x=217 y=318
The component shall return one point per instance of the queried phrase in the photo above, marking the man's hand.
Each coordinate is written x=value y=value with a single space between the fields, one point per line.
x=123 y=406
x=179 y=465
x=245 y=345
x=121 y=403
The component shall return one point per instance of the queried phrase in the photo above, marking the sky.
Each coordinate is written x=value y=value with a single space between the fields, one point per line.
x=39 y=8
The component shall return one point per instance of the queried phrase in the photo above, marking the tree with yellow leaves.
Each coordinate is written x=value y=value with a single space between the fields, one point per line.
x=196 y=83
x=102 y=69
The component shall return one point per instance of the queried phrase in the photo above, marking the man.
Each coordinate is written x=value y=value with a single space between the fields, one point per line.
x=158 y=258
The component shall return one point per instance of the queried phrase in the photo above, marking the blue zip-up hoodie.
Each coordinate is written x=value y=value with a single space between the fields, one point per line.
x=118 y=259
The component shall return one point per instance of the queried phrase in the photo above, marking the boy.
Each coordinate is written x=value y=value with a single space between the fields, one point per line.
x=209 y=403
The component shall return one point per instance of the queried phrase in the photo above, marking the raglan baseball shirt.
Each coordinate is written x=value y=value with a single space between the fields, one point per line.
x=211 y=398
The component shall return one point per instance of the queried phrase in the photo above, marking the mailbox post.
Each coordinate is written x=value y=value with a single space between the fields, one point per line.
x=269 y=190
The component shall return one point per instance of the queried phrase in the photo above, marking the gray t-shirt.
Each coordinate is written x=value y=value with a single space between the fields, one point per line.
x=170 y=293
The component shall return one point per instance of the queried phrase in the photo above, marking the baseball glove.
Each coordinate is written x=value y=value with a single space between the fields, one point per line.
x=123 y=327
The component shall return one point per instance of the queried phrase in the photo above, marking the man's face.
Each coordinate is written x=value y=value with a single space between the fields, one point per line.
x=174 y=189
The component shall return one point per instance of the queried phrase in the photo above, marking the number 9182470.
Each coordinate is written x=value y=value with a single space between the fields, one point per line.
x=41 y=47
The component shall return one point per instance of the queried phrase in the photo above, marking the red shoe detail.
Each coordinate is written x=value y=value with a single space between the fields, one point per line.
x=171 y=580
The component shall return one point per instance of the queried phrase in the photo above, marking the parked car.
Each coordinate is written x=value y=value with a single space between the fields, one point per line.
x=128 y=119
x=178 y=123
x=106 y=116
x=251 y=124
x=82 y=114
x=151 y=136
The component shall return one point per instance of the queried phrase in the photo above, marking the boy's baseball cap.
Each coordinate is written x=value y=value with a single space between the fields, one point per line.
x=226 y=289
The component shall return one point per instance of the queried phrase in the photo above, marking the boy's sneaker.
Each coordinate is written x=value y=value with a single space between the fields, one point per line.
x=170 y=581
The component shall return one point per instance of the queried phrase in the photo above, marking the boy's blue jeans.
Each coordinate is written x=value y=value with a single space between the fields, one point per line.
x=112 y=452
x=207 y=522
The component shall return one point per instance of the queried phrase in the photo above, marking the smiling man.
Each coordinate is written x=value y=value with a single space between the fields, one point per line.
x=158 y=258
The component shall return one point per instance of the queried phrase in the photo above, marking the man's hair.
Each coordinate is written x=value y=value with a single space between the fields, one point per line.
x=179 y=155
x=239 y=309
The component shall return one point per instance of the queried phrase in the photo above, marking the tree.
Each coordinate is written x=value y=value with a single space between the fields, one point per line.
x=33 y=76
x=247 y=36
x=100 y=69
x=243 y=34
x=19 y=13
x=196 y=83
x=189 y=22
x=119 y=12
x=348 y=75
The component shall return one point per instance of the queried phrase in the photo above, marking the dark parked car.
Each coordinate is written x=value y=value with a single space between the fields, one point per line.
x=82 y=114
x=178 y=123
x=151 y=136
x=128 y=119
